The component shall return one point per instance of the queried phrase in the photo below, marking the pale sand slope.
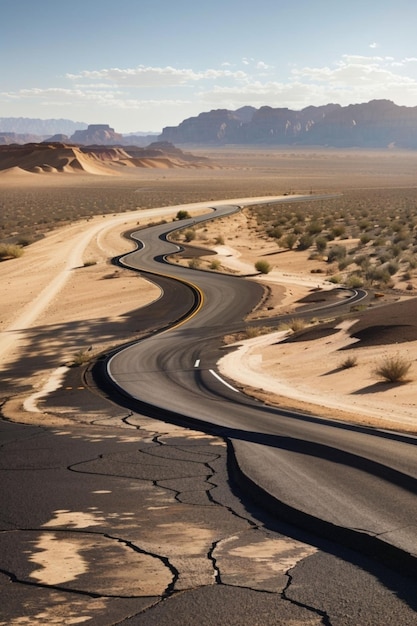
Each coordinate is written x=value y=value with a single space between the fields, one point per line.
x=54 y=306
x=304 y=375
x=307 y=375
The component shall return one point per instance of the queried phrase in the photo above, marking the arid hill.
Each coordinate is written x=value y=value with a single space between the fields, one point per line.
x=375 y=124
x=49 y=158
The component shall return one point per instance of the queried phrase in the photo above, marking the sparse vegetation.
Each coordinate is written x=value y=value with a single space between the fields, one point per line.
x=215 y=264
x=372 y=234
x=10 y=251
x=81 y=358
x=256 y=331
x=296 y=324
x=263 y=267
x=349 y=362
x=182 y=215
x=393 y=369
x=189 y=235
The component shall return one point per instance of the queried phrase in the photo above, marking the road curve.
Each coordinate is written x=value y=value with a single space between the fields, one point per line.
x=351 y=484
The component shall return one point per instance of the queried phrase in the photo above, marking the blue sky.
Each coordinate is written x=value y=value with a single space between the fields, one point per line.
x=140 y=65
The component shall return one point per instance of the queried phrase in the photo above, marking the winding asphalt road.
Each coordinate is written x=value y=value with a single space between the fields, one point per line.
x=350 y=484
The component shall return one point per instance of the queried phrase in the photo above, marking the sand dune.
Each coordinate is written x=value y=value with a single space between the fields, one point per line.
x=95 y=160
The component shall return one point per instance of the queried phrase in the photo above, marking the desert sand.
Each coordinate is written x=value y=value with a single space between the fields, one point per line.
x=70 y=298
x=64 y=296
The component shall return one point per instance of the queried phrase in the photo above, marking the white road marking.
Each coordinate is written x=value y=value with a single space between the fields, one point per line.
x=223 y=381
x=197 y=363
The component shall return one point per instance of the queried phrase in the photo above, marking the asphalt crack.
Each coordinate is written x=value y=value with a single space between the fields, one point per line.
x=212 y=558
x=16 y=579
x=324 y=616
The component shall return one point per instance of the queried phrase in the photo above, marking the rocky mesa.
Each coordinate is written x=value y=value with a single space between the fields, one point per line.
x=375 y=124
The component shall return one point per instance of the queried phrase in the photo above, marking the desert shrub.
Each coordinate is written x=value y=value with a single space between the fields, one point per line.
x=194 y=263
x=289 y=240
x=336 y=279
x=314 y=228
x=393 y=369
x=365 y=238
x=336 y=253
x=215 y=264
x=338 y=230
x=263 y=267
x=348 y=362
x=392 y=268
x=321 y=244
x=182 y=215
x=364 y=224
x=81 y=358
x=189 y=235
x=344 y=263
x=255 y=331
x=396 y=250
x=354 y=281
x=362 y=261
x=305 y=242
x=10 y=251
x=219 y=241
x=276 y=232
x=89 y=263
x=295 y=324
x=378 y=275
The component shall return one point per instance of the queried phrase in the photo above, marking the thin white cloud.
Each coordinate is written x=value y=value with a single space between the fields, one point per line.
x=145 y=77
x=169 y=94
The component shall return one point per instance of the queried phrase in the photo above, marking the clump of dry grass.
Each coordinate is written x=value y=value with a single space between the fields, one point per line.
x=10 y=251
x=263 y=266
x=296 y=324
x=256 y=331
x=350 y=361
x=393 y=369
x=81 y=358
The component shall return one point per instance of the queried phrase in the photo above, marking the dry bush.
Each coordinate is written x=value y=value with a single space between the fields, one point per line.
x=194 y=263
x=189 y=235
x=393 y=369
x=81 y=358
x=348 y=362
x=295 y=324
x=256 y=331
x=263 y=266
x=215 y=264
x=10 y=251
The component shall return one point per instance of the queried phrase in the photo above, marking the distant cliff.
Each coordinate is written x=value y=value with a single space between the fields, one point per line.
x=97 y=134
x=376 y=124
x=37 y=127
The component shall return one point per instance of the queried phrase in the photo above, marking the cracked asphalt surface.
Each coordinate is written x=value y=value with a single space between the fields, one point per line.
x=128 y=520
